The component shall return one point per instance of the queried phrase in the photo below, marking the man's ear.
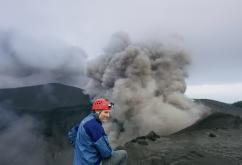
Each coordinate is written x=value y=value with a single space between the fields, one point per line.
x=98 y=113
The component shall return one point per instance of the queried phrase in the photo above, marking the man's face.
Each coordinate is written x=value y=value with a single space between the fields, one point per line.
x=104 y=116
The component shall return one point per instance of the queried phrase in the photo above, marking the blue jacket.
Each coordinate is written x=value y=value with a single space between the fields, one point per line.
x=91 y=144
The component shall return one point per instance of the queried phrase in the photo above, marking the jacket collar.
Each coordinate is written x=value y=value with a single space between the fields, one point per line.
x=95 y=115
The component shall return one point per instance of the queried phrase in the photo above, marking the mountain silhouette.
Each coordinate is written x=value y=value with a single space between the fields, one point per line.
x=43 y=112
x=43 y=97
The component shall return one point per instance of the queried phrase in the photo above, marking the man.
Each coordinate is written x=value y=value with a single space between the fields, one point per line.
x=91 y=142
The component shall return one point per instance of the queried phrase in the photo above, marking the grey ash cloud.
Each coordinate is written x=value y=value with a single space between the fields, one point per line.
x=147 y=83
x=20 y=141
x=27 y=60
x=211 y=31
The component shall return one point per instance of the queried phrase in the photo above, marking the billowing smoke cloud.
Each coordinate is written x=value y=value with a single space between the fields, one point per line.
x=20 y=142
x=146 y=81
x=28 y=61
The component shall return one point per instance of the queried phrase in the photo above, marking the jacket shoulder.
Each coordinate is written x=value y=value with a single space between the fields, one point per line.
x=94 y=129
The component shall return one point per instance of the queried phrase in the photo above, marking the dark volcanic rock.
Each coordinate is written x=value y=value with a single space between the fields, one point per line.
x=211 y=135
x=152 y=136
x=207 y=142
x=144 y=140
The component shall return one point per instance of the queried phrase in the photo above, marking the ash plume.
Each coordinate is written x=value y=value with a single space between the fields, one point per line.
x=20 y=143
x=146 y=81
x=26 y=61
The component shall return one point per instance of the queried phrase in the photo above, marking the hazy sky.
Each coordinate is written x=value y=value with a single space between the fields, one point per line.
x=211 y=31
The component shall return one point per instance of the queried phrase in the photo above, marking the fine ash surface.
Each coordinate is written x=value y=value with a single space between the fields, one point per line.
x=213 y=140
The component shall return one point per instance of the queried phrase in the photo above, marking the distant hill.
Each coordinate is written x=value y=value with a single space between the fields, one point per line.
x=217 y=106
x=43 y=97
x=55 y=107
x=238 y=104
x=215 y=121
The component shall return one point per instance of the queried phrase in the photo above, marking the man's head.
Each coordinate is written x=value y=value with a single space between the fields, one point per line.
x=102 y=108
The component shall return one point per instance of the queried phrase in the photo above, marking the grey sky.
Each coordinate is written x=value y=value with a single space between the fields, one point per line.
x=211 y=30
